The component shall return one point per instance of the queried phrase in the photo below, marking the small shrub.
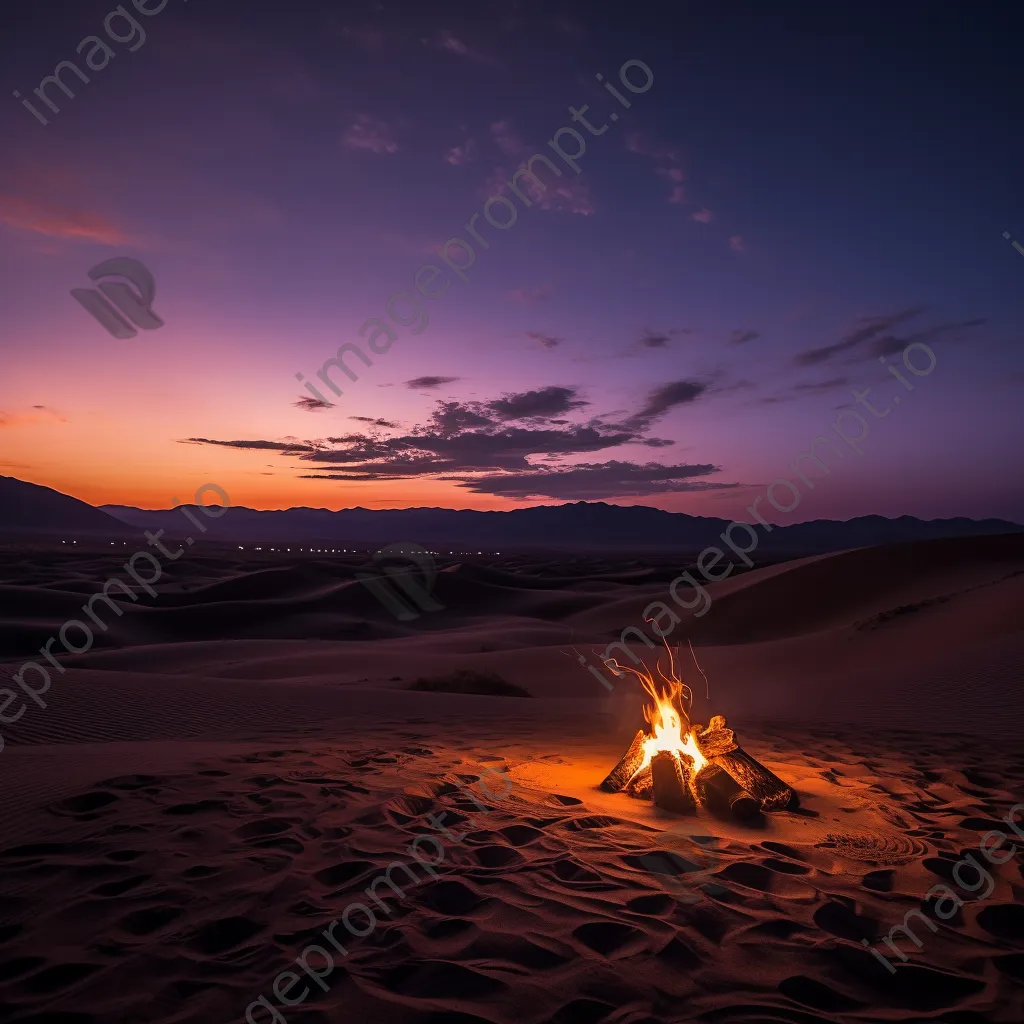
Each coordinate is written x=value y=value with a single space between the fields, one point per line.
x=467 y=680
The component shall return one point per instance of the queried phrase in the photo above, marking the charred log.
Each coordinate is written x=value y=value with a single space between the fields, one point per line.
x=720 y=793
x=626 y=768
x=764 y=785
x=670 y=775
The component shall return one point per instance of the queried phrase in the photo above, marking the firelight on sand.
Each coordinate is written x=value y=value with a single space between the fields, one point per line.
x=682 y=766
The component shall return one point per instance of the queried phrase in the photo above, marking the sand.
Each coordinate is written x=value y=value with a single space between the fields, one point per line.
x=188 y=813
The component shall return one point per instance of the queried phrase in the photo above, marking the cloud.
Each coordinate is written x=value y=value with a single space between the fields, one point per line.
x=556 y=192
x=309 y=404
x=375 y=422
x=461 y=154
x=429 y=383
x=269 y=446
x=446 y=40
x=654 y=339
x=737 y=244
x=742 y=337
x=868 y=328
x=38 y=414
x=702 y=216
x=542 y=403
x=668 y=163
x=530 y=296
x=508 y=446
x=370 y=133
x=596 y=480
x=889 y=345
x=547 y=340
x=56 y=221
x=505 y=139
x=668 y=396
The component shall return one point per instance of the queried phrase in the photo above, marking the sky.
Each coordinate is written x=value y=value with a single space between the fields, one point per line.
x=793 y=194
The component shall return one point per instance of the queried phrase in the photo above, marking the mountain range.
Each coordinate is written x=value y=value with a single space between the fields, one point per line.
x=29 y=510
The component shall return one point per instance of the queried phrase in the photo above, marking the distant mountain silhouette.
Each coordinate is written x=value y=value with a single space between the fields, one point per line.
x=578 y=526
x=28 y=510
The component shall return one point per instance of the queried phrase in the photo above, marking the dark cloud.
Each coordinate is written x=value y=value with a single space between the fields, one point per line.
x=654 y=339
x=540 y=404
x=511 y=446
x=869 y=327
x=375 y=422
x=650 y=338
x=889 y=345
x=596 y=480
x=451 y=417
x=742 y=337
x=661 y=399
x=309 y=404
x=428 y=383
x=822 y=386
x=270 y=446
x=547 y=340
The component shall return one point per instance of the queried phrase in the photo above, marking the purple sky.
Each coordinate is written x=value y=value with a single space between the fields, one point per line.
x=798 y=193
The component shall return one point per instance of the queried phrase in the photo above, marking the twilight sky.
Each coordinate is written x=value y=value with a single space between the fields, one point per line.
x=802 y=190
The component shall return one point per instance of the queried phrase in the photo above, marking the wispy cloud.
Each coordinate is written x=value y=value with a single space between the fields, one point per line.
x=375 y=422
x=742 y=337
x=530 y=296
x=702 y=216
x=865 y=329
x=445 y=39
x=309 y=404
x=556 y=192
x=36 y=414
x=737 y=243
x=461 y=154
x=668 y=163
x=372 y=134
x=56 y=221
x=547 y=340
x=428 y=383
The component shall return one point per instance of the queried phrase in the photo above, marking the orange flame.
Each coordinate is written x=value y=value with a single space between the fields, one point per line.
x=668 y=716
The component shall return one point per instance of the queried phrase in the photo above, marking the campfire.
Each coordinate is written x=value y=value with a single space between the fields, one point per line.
x=682 y=766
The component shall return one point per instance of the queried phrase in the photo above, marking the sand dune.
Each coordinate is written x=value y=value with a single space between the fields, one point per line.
x=206 y=791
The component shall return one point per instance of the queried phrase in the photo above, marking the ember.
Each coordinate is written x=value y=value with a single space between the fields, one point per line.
x=682 y=766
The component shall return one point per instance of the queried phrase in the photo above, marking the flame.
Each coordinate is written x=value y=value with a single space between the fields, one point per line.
x=667 y=717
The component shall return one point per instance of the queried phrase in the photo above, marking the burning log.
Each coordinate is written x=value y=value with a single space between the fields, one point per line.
x=764 y=785
x=685 y=766
x=642 y=787
x=627 y=767
x=671 y=780
x=720 y=793
x=718 y=744
x=716 y=739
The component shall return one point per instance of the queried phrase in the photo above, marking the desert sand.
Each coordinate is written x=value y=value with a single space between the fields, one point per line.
x=239 y=757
